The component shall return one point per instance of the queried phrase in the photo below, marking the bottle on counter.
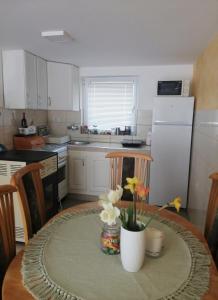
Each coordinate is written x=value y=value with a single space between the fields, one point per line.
x=24 y=121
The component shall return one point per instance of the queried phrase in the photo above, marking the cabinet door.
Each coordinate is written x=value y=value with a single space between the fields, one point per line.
x=76 y=88
x=59 y=86
x=14 y=79
x=42 y=85
x=77 y=172
x=31 y=81
x=98 y=173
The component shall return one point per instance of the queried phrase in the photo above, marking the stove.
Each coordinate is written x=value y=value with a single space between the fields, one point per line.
x=61 y=150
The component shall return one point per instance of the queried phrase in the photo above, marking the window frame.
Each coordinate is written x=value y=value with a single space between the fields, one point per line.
x=85 y=80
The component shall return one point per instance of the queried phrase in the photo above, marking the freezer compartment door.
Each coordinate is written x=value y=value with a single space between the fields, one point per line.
x=169 y=174
x=173 y=110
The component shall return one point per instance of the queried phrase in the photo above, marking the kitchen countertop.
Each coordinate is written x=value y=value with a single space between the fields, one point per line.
x=28 y=156
x=106 y=147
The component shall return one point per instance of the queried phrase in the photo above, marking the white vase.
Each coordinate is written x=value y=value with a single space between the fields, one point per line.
x=132 y=249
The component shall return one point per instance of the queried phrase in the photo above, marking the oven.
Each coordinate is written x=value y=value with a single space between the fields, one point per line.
x=49 y=181
x=62 y=172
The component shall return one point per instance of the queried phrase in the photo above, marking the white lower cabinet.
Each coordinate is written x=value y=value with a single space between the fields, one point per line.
x=77 y=172
x=88 y=172
x=98 y=173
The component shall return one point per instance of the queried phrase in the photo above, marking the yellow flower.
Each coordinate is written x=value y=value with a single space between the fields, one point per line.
x=132 y=182
x=177 y=202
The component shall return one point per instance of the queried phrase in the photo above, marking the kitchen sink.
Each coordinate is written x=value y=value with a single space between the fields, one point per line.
x=79 y=142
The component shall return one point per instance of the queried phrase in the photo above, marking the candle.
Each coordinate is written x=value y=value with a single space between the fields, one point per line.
x=154 y=241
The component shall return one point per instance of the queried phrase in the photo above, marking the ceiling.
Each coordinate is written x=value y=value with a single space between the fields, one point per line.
x=111 y=32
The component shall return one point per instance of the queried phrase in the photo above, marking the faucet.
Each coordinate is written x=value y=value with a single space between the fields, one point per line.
x=73 y=127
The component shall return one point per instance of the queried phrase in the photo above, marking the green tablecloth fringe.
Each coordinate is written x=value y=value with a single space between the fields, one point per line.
x=40 y=285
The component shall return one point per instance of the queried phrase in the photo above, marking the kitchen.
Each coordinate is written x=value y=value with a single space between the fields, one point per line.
x=48 y=81
x=82 y=79
x=85 y=170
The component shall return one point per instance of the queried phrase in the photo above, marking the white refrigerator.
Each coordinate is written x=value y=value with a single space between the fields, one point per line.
x=170 y=148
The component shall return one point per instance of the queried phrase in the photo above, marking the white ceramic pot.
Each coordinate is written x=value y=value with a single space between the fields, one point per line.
x=132 y=249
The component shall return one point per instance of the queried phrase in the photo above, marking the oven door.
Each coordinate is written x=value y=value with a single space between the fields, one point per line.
x=50 y=187
x=61 y=173
x=62 y=181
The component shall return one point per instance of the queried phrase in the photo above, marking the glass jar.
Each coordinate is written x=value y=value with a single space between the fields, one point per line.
x=110 y=239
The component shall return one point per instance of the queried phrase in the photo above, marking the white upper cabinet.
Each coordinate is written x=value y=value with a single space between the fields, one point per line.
x=42 y=83
x=1 y=82
x=33 y=83
x=19 y=77
x=30 y=80
x=63 y=86
x=76 y=88
x=25 y=80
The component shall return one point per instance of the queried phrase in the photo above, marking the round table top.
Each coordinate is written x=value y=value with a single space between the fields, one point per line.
x=13 y=287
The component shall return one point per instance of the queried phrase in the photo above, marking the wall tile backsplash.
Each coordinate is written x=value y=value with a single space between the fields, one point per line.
x=204 y=161
x=10 y=120
x=59 y=120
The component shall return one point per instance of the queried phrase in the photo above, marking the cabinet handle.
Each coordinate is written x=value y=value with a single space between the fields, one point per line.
x=83 y=163
x=49 y=101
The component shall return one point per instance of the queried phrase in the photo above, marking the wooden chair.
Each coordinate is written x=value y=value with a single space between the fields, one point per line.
x=212 y=239
x=27 y=180
x=7 y=228
x=212 y=204
x=141 y=166
x=211 y=227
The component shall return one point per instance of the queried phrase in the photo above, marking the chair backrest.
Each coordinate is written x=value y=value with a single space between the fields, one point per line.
x=7 y=228
x=141 y=166
x=212 y=204
x=18 y=180
x=212 y=239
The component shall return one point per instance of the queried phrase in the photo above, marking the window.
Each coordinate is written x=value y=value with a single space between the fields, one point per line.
x=109 y=102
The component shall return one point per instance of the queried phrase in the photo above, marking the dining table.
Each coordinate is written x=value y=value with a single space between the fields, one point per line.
x=81 y=271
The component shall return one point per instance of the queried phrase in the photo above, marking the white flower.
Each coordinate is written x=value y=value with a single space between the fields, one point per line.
x=115 y=196
x=104 y=201
x=105 y=204
x=109 y=215
x=103 y=197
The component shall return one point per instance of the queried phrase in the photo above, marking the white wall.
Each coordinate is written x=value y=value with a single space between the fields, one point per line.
x=148 y=77
x=204 y=162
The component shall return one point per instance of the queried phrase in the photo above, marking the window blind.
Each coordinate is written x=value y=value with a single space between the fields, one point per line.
x=110 y=102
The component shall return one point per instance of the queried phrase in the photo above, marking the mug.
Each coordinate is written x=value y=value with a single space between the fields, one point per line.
x=154 y=241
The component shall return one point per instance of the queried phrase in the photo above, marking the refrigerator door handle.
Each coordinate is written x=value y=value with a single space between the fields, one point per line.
x=172 y=123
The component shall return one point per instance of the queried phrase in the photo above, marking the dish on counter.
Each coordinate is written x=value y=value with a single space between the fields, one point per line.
x=132 y=143
x=79 y=142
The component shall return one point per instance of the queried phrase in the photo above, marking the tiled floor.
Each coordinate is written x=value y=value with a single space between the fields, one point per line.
x=72 y=200
x=198 y=218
